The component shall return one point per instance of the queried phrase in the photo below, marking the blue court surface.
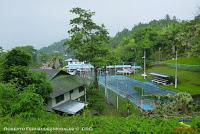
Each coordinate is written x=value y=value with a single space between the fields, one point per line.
x=124 y=87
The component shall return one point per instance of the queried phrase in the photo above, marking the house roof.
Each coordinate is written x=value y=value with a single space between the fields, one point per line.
x=61 y=81
x=160 y=75
x=64 y=83
x=51 y=73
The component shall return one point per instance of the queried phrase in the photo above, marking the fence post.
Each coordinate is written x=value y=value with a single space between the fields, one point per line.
x=117 y=102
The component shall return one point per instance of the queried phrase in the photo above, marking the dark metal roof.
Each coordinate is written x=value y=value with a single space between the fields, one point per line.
x=61 y=81
x=160 y=75
x=50 y=72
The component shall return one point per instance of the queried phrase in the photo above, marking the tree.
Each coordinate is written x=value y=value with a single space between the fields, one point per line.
x=1 y=49
x=88 y=40
x=31 y=51
x=19 y=74
x=2 y=59
x=17 y=57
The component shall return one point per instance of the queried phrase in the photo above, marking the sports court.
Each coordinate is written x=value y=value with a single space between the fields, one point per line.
x=124 y=87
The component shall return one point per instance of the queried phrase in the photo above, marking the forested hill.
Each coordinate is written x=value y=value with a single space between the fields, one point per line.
x=55 y=47
x=126 y=33
x=159 y=38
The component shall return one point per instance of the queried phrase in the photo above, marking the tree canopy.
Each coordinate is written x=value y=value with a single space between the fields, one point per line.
x=88 y=40
x=159 y=38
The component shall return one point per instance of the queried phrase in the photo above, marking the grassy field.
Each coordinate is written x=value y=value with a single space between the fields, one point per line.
x=99 y=125
x=185 y=61
x=188 y=81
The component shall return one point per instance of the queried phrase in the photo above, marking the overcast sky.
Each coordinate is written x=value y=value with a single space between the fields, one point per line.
x=43 y=22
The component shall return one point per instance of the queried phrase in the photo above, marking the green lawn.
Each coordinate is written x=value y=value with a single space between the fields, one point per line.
x=185 y=61
x=188 y=81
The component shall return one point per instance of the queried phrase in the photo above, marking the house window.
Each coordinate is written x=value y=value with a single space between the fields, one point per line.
x=59 y=98
x=81 y=89
x=71 y=91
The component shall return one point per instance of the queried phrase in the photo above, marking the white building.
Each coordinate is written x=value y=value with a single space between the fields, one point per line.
x=77 y=67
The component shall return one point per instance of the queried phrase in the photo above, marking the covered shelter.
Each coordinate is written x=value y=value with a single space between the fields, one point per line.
x=70 y=107
x=162 y=79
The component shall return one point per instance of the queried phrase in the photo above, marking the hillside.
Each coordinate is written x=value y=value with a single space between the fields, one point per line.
x=160 y=39
x=185 y=61
x=57 y=47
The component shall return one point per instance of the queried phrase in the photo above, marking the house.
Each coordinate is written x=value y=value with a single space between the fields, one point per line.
x=73 y=61
x=77 y=67
x=69 y=92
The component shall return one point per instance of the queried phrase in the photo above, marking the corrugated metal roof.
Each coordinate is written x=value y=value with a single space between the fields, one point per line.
x=70 y=107
x=160 y=75
x=79 y=66
x=119 y=66
x=136 y=67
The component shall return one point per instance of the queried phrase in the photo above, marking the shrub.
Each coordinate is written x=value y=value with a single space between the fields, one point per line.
x=28 y=104
x=181 y=103
x=96 y=100
x=8 y=95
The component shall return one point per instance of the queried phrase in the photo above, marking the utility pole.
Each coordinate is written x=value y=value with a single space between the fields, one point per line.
x=144 y=57
x=176 y=73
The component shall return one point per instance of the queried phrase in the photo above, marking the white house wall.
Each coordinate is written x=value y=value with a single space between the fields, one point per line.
x=75 y=95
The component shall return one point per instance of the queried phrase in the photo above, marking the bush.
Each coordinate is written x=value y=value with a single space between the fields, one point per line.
x=40 y=85
x=96 y=100
x=181 y=103
x=8 y=95
x=28 y=104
